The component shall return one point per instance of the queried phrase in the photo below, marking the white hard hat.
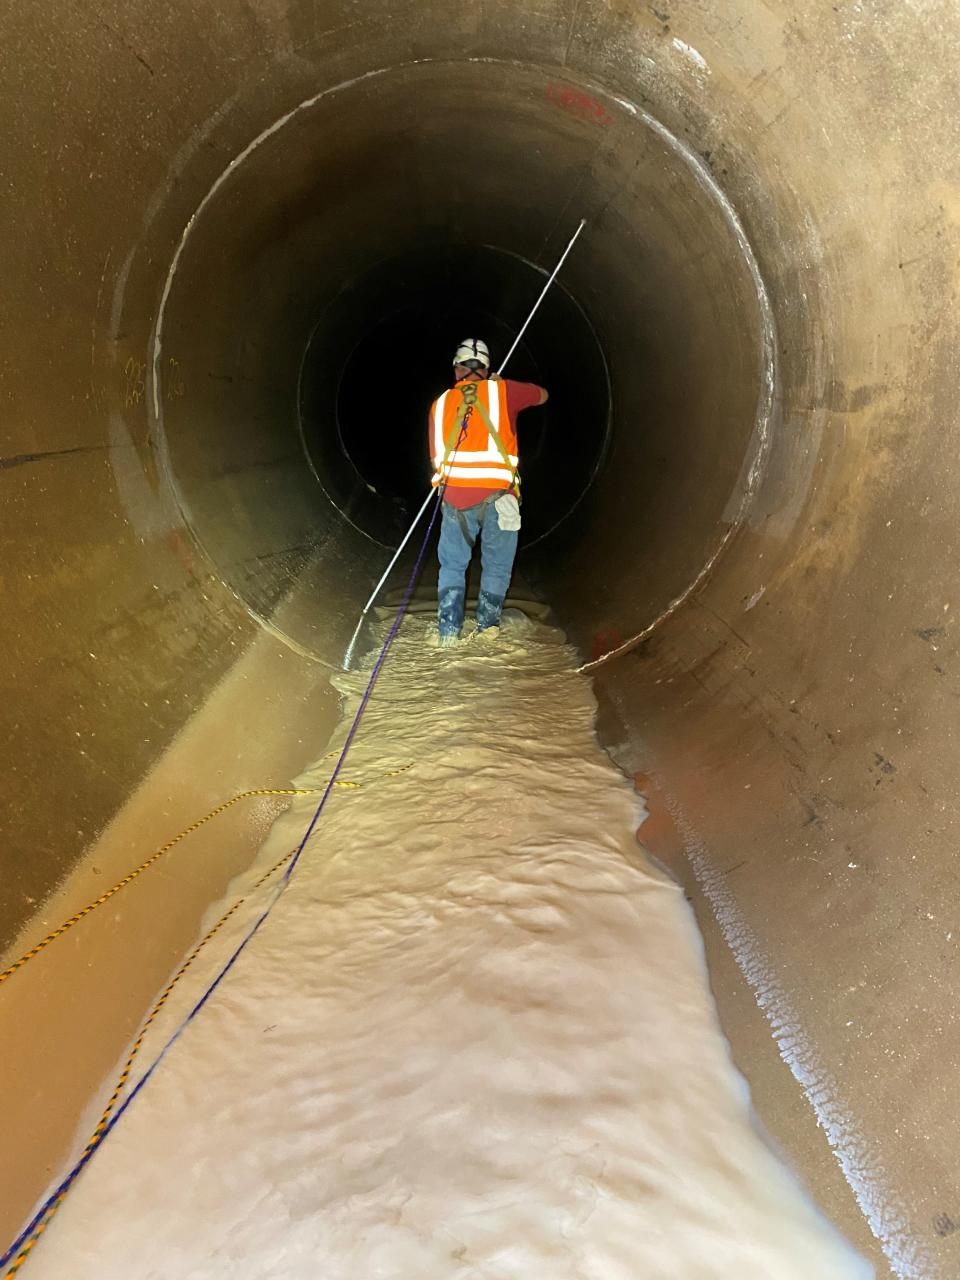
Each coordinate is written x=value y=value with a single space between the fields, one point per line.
x=472 y=349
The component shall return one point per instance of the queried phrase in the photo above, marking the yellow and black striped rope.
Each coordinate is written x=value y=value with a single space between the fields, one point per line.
x=98 y=1133
x=154 y=857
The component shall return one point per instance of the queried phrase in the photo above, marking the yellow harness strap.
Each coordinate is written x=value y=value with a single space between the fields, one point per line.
x=495 y=437
x=453 y=439
x=471 y=401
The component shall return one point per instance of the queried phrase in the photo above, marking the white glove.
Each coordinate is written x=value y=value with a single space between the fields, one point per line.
x=508 y=512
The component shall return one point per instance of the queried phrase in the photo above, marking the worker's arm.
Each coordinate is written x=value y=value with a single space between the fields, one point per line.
x=523 y=395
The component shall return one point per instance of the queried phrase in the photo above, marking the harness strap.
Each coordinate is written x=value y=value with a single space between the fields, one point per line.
x=495 y=437
x=471 y=541
x=472 y=401
x=465 y=529
x=453 y=440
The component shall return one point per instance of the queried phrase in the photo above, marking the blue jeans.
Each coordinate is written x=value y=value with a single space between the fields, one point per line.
x=498 y=547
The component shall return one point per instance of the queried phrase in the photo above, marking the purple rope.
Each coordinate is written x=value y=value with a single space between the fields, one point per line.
x=377 y=666
x=51 y=1202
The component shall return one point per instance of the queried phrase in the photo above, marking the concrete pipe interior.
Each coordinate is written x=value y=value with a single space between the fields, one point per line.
x=324 y=282
x=240 y=247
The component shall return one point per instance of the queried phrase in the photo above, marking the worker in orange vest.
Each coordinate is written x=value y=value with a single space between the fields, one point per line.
x=473 y=443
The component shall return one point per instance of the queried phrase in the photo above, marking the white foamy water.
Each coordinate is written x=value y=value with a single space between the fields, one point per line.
x=473 y=1039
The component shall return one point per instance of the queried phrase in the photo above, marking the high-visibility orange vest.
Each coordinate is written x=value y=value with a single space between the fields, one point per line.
x=479 y=462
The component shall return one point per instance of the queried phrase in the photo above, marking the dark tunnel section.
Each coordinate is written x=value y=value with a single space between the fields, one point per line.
x=381 y=352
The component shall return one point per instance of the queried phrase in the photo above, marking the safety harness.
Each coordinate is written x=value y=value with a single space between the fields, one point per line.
x=471 y=402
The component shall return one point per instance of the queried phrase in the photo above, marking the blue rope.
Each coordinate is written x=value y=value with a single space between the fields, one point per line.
x=64 y=1186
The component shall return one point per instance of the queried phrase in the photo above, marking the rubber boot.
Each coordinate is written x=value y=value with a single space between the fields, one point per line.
x=489 y=609
x=450 y=615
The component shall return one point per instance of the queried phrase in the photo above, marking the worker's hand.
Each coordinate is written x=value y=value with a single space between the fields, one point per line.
x=494 y=377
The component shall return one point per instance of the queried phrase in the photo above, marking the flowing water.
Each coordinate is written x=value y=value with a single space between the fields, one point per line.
x=474 y=1038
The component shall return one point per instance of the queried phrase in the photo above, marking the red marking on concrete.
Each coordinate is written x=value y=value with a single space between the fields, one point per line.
x=579 y=104
x=181 y=548
x=658 y=833
x=644 y=788
x=605 y=642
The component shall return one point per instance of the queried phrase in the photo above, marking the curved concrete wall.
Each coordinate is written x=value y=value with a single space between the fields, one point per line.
x=769 y=542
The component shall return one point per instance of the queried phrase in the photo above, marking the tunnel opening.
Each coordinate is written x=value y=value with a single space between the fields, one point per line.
x=358 y=226
x=366 y=420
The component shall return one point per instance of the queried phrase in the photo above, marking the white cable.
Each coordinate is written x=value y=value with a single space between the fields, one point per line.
x=419 y=515
x=543 y=294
